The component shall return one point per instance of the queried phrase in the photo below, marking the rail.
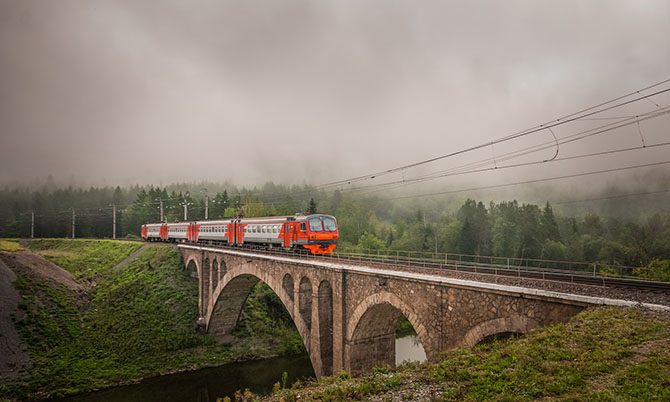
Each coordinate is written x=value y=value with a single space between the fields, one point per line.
x=398 y=262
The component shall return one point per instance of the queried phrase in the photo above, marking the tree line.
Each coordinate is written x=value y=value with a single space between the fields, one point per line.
x=506 y=229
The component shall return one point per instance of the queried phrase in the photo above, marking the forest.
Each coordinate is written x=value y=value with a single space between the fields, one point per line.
x=448 y=225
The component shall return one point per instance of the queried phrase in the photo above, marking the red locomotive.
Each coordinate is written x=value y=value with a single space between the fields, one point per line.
x=316 y=233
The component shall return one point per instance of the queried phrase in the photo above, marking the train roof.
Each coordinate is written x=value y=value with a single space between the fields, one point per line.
x=215 y=222
x=272 y=219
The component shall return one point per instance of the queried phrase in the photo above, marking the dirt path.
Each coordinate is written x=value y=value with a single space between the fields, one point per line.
x=131 y=257
x=14 y=360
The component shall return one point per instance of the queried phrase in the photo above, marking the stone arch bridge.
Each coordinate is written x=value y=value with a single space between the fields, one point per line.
x=346 y=314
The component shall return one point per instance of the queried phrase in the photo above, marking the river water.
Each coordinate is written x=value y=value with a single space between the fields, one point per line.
x=206 y=385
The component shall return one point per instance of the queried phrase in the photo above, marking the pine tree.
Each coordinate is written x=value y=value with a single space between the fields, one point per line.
x=312 y=207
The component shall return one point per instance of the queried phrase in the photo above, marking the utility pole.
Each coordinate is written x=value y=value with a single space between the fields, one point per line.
x=114 y=221
x=32 y=224
x=73 y=217
x=185 y=211
x=161 y=201
x=206 y=207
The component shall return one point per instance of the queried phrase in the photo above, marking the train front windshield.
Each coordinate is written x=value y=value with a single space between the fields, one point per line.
x=329 y=224
x=322 y=223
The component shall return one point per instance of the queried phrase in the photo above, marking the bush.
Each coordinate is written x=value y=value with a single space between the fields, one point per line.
x=657 y=270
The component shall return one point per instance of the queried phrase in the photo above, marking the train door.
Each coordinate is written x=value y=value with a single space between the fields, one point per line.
x=294 y=233
x=287 y=235
x=163 y=232
x=240 y=234
x=230 y=232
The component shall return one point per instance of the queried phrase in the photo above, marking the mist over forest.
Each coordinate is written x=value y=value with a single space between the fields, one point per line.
x=628 y=227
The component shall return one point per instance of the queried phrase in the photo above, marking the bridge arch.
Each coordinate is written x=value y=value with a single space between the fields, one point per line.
x=305 y=301
x=193 y=268
x=325 y=314
x=216 y=274
x=514 y=324
x=371 y=331
x=287 y=284
x=231 y=294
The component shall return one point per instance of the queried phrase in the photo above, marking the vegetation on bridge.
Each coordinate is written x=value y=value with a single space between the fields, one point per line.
x=131 y=321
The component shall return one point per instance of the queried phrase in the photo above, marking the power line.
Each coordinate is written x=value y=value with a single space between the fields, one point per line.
x=526 y=151
x=560 y=121
x=531 y=181
x=611 y=197
x=663 y=144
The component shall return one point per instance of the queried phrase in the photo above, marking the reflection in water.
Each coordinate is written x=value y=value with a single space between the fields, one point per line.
x=206 y=385
x=409 y=349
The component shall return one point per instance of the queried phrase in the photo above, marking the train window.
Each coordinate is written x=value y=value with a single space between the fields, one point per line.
x=303 y=226
x=315 y=225
x=265 y=229
x=329 y=224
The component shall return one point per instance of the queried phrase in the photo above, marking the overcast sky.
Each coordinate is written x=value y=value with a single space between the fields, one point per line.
x=306 y=91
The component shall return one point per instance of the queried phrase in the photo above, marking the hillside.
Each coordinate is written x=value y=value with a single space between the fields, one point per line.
x=95 y=313
x=602 y=354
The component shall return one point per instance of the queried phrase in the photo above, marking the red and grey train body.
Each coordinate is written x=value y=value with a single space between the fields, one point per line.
x=316 y=233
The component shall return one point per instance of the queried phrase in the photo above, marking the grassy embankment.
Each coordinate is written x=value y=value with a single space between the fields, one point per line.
x=134 y=321
x=9 y=245
x=605 y=354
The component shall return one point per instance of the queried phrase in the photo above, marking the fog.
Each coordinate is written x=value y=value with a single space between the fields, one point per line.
x=121 y=92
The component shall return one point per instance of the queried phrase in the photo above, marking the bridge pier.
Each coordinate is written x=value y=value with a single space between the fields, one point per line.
x=346 y=315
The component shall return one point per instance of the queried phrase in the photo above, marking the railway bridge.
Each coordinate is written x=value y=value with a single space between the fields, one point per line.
x=346 y=314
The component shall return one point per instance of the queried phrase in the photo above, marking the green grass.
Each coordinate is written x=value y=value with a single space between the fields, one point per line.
x=134 y=322
x=85 y=258
x=605 y=354
x=10 y=245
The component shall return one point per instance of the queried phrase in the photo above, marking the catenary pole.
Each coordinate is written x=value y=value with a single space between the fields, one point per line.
x=114 y=221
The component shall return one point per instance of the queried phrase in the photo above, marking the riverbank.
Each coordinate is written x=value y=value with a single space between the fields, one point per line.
x=126 y=311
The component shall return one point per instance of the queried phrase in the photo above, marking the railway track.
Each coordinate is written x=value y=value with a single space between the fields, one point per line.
x=435 y=267
x=519 y=272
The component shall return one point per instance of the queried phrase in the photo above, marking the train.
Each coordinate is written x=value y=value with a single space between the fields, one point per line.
x=314 y=233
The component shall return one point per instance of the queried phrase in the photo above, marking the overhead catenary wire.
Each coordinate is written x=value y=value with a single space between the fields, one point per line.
x=568 y=139
x=611 y=197
x=533 y=181
x=476 y=167
x=584 y=113
x=610 y=152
